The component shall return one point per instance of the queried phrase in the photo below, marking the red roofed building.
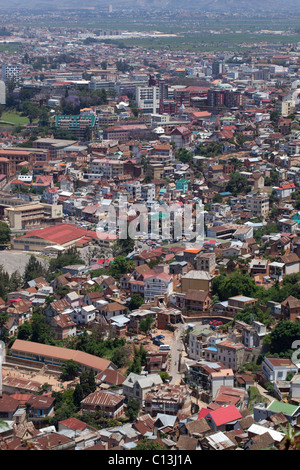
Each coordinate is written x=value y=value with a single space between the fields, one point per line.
x=74 y=424
x=64 y=235
x=224 y=418
x=111 y=404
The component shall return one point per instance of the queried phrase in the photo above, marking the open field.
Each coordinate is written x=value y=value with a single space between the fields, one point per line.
x=13 y=118
x=15 y=260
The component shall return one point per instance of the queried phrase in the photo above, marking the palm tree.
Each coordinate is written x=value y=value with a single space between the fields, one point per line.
x=289 y=442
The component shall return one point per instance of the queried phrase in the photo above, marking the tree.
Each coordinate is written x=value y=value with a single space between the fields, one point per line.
x=145 y=324
x=133 y=408
x=4 y=333
x=237 y=184
x=33 y=269
x=282 y=337
x=147 y=444
x=5 y=233
x=119 y=357
x=69 y=370
x=290 y=441
x=78 y=395
x=41 y=331
x=135 y=302
x=237 y=283
x=120 y=266
x=184 y=155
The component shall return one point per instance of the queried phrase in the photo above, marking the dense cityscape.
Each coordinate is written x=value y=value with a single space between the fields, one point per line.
x=149 y=228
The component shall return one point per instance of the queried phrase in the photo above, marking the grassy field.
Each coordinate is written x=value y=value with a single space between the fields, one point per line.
x=13 y=118
x=10 y=48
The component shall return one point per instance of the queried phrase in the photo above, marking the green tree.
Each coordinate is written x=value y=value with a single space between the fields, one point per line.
x=5 y=233
x=69 y=370
x=282 y=337
x=78 y=395
x=237 y=283
x=133 y=408
x=136 y=302
x=146 y=324
x=33 y=269
x=120 y=266
x=4 y=333
x=150 y=445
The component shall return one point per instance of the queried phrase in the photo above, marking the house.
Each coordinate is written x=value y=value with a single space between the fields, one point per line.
x=262 y=412
x=63 y=326
x=262 y=438
x=56 y=308
x=291 y=263
x=196 y=280
x=20 y=310
x=187 y=443
x=230 y=354
x=239 y=302
x=167 y=317
x=169 y=399
x=195 y=428
x=209 y=376
x=290 y=309
x=157 y=285
x=73 y=299
x=217 y=441
x=74 y=424
x=8 y=407
x=110 y=404
x=136 y=386
x=156 y=361
x=193 y=301
x=111 y=309
x=35 y=353
x=110 y=377
x=41 y=406
x=84 y=315
x=51 y=441
x=225 y=418
x=275 y=369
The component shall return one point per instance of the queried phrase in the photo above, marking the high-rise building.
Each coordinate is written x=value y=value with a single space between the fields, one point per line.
x=10 y=72
x=2 y=92
x=147 y=99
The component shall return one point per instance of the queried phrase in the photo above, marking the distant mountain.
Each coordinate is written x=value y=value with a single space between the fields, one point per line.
x=245 y=6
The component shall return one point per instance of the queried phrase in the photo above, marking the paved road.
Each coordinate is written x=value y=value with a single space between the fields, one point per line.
x=177 y=352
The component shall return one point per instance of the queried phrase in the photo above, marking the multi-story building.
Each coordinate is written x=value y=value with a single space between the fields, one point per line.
x=206 y=262
x=31 y=215
x=258 y=204
x=230 y=354
x=2 y=92
x=148 y=192
x=11 y=72
x=136 y=386
x=105 y=168
x=148 y=99
x=157 y=285
x=168 y=399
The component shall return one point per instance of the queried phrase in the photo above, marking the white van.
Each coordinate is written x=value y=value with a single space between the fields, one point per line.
x=164 y=347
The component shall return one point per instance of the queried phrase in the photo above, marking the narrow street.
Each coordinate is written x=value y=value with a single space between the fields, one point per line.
x=177 y=353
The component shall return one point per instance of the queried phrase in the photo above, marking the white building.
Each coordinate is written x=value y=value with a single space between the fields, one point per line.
x=277 y=369
x=10 y=72
x=159 y=285
x=2 y=92
x=147 y=99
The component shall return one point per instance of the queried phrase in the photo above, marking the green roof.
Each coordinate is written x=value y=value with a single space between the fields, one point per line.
x=285 y=408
